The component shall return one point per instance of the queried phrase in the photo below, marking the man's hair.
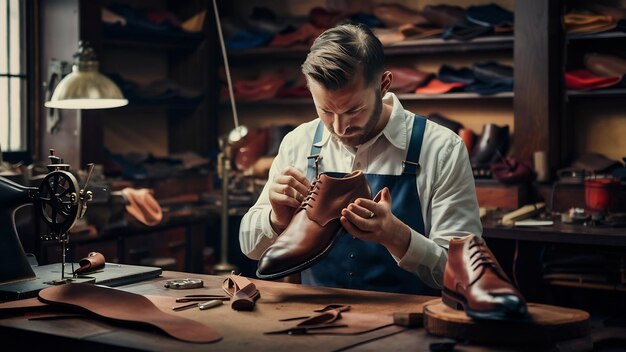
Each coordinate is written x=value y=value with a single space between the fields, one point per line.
x=340 y=53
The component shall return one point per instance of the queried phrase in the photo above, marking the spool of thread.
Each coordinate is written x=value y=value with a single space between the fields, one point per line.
x=542 y=168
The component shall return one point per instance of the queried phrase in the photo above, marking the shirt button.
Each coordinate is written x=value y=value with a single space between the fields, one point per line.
x=358 y=165
x=352 y=255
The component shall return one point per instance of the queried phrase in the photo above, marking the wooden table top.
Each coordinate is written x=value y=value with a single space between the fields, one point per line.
x=241 y=330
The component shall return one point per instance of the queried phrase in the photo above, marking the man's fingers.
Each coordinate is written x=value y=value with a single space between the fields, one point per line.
x=361 y=211
x=292 y=182
x=368 y=204
x=360 y=222
x=288 y=191
x=283 y=199
x=353 y=230
x=299 y=176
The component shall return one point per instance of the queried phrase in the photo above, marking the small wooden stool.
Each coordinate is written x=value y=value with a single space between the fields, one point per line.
x=545 y=325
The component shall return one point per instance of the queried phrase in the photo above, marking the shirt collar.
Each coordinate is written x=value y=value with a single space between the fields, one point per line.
x=325 y=137
x=395 y=131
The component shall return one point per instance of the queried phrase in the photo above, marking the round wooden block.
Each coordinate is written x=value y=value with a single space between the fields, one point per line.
x=546 y=324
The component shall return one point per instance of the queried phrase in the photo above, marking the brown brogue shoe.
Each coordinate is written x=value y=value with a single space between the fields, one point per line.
x=314 y=226
x=475 y=282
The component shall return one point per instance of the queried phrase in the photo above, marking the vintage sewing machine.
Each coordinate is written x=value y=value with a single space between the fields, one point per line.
x=59 y=202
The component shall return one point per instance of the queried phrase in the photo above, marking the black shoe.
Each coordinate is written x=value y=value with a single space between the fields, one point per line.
x=494 y=139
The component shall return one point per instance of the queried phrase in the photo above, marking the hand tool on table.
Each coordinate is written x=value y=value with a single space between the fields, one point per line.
x=201 y=305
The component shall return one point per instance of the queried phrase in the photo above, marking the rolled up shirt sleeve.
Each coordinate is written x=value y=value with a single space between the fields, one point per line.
x=452 y=212
x=255 y=231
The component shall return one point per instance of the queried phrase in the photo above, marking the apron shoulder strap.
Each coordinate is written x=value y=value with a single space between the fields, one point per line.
x=411 y=164
x=314 y=156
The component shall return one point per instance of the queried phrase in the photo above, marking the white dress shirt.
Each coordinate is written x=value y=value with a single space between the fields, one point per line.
x=444 y=182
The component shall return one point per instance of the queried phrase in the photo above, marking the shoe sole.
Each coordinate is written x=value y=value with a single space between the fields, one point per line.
x=302 y=266
x=458 y=302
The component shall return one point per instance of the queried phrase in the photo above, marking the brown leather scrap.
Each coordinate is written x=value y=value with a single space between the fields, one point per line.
x=339 y=307
x=335 y=319
x=21 y=305
x=243 y=292
x=92 y=262
x=128 y=308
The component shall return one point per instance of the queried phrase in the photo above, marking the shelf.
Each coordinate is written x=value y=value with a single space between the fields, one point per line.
x=592 y=36
x=402 y=97
x=559 y=233
x=408 y=47
x=438 y=45
x=154 y=43
x=596 y=286
x=156 y=105
x=600 y=93
x=454 y=96
x=119 y=37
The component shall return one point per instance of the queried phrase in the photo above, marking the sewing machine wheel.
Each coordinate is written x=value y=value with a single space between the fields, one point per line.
x=58 y=201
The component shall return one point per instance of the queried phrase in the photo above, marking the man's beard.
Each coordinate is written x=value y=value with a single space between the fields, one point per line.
x=367 y=130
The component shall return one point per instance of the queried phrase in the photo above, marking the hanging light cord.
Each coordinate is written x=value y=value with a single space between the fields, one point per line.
x=226 y=66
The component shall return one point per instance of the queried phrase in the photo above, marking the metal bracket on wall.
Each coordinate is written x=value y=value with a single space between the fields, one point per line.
x=56 y=71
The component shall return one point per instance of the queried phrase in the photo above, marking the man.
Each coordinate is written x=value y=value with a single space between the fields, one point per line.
x=399 y=243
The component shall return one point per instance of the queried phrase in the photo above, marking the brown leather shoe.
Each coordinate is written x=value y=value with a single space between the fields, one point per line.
x=314 y=227
x=474 y=281
x=394 y=15
x=605 y=65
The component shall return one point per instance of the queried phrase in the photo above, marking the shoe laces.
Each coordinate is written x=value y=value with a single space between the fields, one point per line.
x=312 y=193
x=480 y=256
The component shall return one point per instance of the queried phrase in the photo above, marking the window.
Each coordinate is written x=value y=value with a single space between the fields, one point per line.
x=13 y=77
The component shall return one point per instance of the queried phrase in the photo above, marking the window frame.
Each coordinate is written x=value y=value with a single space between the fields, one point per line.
x=31 y=43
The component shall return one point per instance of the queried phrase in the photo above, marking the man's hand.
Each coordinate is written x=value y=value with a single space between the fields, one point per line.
x=286 y=193
x=373 y=221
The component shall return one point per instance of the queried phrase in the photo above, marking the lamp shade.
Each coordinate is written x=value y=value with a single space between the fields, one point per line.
x=85 y=87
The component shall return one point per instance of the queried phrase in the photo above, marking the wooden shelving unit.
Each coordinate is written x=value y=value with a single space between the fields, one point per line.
x=402 y=97
x=156 y=42
x=589 y=285
x=408 y=47
x=600 y=93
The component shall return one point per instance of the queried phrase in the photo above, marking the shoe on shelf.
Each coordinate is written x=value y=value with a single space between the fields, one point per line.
x=494 y=139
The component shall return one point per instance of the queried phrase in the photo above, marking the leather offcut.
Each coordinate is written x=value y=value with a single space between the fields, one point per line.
x=243 y=292
x=94 y=261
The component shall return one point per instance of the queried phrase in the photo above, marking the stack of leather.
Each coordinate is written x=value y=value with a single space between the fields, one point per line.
x=578 y=265
x=123 y=21
x=483 y=78
x=588 y=17
x=406 y=79
x=445 y=21
x=601 y=71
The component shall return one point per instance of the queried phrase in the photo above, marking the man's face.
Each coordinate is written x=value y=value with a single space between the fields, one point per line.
x=351 y=113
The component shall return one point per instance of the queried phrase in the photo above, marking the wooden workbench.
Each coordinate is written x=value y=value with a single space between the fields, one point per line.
x=241 y=330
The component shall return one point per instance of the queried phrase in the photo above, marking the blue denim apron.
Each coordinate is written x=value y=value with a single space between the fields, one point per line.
x=364 y=265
